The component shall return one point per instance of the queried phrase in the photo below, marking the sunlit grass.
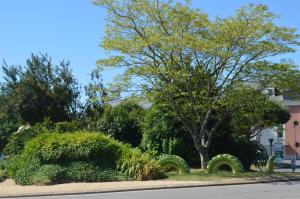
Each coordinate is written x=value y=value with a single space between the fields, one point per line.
x=201 y=175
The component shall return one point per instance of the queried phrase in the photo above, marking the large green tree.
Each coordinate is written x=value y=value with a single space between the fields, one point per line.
x=193 y=63
x=164 y=133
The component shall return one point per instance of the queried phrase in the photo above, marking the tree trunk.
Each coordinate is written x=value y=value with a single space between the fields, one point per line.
x=202 y=151
x=203 y=157
x=201 y=148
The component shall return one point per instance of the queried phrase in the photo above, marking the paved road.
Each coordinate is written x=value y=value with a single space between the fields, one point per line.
x=284 y=190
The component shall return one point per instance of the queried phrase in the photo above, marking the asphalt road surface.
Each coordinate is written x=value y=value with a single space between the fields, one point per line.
x=283 y=190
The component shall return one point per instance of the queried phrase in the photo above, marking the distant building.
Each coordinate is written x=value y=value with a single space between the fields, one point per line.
x=286 y=139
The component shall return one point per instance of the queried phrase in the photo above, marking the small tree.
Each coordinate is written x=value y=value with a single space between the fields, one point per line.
x=178 y=55
x=39 y=90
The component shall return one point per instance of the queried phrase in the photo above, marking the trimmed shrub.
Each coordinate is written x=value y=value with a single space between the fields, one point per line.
x=69 y=147
x=16 y=142
x=85 y=157
x=24 y=175
x=48 y=174
x=174 y=161
x=270 y=164
x=70 y=126
x=12 y=165
x=224 y=160
x=86 y=172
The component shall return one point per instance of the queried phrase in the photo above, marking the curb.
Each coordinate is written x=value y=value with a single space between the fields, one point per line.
x=154 y=188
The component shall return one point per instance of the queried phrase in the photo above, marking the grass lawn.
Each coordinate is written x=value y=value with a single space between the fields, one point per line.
x=200 y=175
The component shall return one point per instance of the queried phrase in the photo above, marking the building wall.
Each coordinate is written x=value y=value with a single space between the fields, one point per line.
x=292 y=134
x=265 y=135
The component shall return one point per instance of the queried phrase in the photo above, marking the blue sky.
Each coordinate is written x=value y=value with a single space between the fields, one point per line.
x=72 y=29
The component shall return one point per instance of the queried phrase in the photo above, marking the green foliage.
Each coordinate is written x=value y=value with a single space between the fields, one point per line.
x=12 y=165
x=69 y=126
x=48 y=174
x=3 y=175
x=250 y=153
x=3 y=171
x=138 y=165
x=62 y=148
x=224 y=159
x=83 y=156
x=16 y=142
x=192 y=62
x=40 y=90
x=270 y=164
x=26 y=169
x=122 y=122
x=174 y=161
x=247 y=151
x=35 y=92
x=86 y=172
x=164 y=133
x=7 y=127
x=253 y=112
x=95 y=91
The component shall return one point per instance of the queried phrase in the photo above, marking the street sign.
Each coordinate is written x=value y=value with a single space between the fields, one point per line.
x=278 y=151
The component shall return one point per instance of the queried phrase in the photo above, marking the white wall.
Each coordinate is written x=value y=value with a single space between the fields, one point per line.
x=264 y=137
x=266 y=134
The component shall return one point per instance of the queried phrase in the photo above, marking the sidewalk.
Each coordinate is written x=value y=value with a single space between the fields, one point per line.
x=9 y=189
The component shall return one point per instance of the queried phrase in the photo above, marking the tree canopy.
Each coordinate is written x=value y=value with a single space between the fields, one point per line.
x=38 y=91
x=193 y=63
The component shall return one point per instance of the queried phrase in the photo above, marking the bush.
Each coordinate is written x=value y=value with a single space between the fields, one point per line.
x=86 y=172
x=3 y=175
x=12 y=165
x=138 y=165
x=248 y=152
x=68 y=147
x=174 y=161
x=164 y=134
x=16 y=142
x=71 y=126
x=122 y=122
x=85 y=157
x=7 y=127
x=224 y=160
x=48 y=174
x=3 y=171
x=26 y=170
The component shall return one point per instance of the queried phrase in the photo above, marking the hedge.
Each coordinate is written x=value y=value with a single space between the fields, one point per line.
x=82 y=156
